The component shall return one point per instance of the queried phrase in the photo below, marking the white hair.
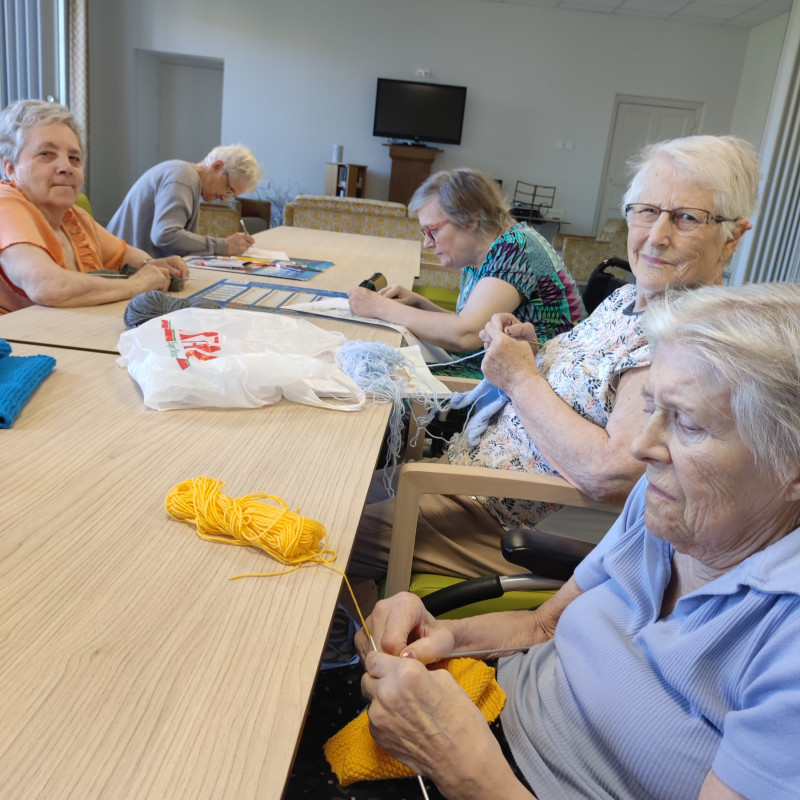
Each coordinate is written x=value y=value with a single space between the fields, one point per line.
x=750 y=337
x=725 y=165
x=17 y=118
x=239 y=163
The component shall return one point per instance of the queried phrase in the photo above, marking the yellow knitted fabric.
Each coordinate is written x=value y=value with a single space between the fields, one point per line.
x=355 y=756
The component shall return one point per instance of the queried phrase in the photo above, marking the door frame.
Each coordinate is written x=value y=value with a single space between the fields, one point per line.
x=632 y=99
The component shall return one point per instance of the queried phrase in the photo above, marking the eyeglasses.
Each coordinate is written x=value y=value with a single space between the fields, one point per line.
x=229 y=193
x=686 y=220
x=428 y=232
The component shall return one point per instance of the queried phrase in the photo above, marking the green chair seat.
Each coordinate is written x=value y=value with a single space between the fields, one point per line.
x=424 y=583
x=445 y=298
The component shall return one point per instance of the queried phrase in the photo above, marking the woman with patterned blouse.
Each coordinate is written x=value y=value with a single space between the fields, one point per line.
x=505 y=266
x=572 y=406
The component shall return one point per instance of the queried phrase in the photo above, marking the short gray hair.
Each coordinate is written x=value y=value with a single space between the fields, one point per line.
x=16 y=119
x=466 y=195
x=239 y=163
x=725 y=165
x=750 y=337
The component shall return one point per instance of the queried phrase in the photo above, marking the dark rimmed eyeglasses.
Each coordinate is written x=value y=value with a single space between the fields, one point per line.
x=686 y=220
x=229 y=193
x=428 y=232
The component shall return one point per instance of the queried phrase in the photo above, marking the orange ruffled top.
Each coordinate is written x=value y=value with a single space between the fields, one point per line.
x=21 y=222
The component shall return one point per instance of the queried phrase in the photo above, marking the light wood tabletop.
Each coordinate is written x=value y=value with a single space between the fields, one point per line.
x=131 y=667
x=355 y=258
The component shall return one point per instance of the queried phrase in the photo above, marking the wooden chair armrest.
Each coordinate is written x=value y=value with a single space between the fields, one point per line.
x=455 y=384
x=433 y=477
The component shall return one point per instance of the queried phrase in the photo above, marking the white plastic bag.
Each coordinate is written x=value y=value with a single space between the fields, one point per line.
x=226 y=358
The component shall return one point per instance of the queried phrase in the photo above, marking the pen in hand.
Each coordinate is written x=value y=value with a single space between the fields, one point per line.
x=249 y=238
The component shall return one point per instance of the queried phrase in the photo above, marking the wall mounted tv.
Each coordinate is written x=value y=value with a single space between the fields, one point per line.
x=419 y=112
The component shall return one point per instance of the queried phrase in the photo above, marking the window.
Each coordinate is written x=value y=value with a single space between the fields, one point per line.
x=34 y=50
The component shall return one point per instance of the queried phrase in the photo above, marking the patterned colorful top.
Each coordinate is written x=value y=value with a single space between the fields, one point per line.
x=583 y=367
x=526 y=260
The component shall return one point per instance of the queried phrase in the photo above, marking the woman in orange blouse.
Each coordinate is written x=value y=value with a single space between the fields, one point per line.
x=48 y=246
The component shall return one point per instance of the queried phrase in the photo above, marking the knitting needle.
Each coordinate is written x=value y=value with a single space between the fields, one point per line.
x=419 y=777
x=495 y=652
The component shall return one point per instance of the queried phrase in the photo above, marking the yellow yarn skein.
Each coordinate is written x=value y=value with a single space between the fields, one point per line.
x=248 y=521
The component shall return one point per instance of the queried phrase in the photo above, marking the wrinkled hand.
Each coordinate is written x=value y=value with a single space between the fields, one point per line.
x=401 y=625
x=511 y=349
x=427 y=721
x=153 y=276
x=366 y=303
x=174 y=264
x=400 y=294
x=510 y=326
x=237 y=243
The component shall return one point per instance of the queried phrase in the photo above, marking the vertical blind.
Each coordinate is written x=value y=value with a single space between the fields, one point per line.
x=33 y=50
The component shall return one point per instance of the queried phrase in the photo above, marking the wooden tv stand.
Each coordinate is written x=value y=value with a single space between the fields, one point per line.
x=411 y=165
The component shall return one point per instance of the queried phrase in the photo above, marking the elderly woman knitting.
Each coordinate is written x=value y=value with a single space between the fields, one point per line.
x=48 y=246
x=666 y=667
x=504 y=266
x=573 y=406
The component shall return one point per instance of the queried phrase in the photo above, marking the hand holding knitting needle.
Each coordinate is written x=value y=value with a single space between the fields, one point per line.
x=510 y=352
x=423 y=717
x=509 y=325
x=426 y=720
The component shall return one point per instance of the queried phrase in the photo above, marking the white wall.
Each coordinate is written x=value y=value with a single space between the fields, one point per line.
x=758 y=76
x=300 y=76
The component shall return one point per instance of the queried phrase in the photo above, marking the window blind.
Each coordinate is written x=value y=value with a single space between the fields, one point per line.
x=33 y=50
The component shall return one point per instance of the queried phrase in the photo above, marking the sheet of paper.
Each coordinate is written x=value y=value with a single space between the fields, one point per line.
x=266 y=255
x=340 y=307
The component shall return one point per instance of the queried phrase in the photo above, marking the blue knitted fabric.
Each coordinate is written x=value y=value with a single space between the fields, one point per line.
x=20 y=376
x=487 y=403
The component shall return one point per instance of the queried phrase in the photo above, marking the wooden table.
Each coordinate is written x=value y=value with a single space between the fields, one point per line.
x=356 y=257
x=130 y=666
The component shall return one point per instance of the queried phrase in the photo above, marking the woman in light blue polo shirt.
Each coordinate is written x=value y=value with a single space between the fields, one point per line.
x=668 y=665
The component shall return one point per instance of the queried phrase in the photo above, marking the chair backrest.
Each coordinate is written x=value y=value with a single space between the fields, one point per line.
x=603 y=283
x=257 y=214
x=219 y=219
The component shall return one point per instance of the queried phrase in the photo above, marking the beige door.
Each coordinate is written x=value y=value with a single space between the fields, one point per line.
x=638 y=121
x=179 y=102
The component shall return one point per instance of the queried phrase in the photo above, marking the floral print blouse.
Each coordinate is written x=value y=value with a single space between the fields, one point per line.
x=583 y=366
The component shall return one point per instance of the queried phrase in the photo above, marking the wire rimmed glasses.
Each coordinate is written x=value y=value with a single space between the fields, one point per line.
x=685 y=219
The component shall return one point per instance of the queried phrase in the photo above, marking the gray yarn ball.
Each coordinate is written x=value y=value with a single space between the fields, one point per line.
x=148 y=305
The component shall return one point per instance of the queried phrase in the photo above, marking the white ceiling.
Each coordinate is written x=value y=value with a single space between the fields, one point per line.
x=738 y=13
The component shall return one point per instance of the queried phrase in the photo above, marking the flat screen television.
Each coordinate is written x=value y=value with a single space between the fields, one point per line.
x=419 y=112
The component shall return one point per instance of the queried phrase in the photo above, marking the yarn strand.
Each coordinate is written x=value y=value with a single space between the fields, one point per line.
x=248 y=521
x=388 y=376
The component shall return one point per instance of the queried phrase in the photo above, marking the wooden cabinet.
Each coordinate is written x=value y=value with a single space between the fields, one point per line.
x=345 y=180
x=411 y=165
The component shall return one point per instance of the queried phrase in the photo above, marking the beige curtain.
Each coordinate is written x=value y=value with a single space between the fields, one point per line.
x=79 y=70
x=771 y=251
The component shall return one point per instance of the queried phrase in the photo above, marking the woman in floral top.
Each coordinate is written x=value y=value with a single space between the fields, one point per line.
x=574 y=405
x=505 y=266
